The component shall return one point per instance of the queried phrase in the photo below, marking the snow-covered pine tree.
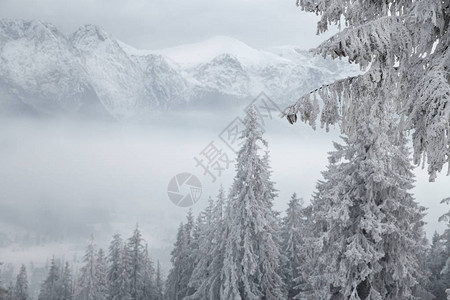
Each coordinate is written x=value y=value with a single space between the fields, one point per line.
x=2 y=289
x=369 y=238
x=117 y=275
x=148 y=289
x=307 y=272
x=88 y=286
x=195 y=254
x=251 y=268
x=445 y=238
x=206 y=277
x=293 y=231
x=177 y=286
x=190 y=252
x=317 y=225
x=66 y=284
x=203 y=228
x=21 y=287
x=101 y=268
x=173 y=288
x=436 y=262
x=214 y=280
x=403 y=46
x=135 y=253
x=50 y=287
x=159 y=283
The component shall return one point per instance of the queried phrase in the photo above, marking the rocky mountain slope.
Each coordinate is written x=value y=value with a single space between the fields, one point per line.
x=90 y=73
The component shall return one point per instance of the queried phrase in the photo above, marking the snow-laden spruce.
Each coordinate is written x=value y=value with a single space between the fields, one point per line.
x=173 y=286
x=293 y=233
x=443 y=271
x=251 y=268
x=403 y=46
x=55 y=285
x=159 y=283
x=206 y=277
x=183 y=261
x=50 y=287
x=118 y=280
x=436 y=261
x=129 y=273
x=368 y=240
x=232 y=251
x=91 y=284
x=140 y=268
x=66 y=283
x=21 y=287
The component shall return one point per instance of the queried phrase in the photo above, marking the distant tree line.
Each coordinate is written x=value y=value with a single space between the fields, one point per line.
x=126 y=272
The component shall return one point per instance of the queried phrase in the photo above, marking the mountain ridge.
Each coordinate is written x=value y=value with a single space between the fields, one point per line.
x=90 y=72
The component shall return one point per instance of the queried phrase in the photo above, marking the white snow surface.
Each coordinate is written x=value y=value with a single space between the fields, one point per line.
x=190 y=55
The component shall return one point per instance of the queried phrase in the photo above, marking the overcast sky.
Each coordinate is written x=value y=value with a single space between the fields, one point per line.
x=153 y=24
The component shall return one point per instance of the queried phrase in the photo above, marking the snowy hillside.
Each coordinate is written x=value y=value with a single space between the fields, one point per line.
x=204 y=52
x=91 y=73
x=119 y=83
x=226 y=66
x=40 y=70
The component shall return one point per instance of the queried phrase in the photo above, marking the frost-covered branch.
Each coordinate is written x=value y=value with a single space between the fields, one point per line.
x=352 y=12
x=336 y=103
x=429 y=117
x=403 y=45
x=362 y=43
x=445 y=217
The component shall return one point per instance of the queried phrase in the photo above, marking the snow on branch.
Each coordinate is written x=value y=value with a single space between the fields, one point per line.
x=429 y=117
x=445 y=217
x=352 y=12
x=426 y=105
x=362 y=43
x=404 y=45
x=339 y=100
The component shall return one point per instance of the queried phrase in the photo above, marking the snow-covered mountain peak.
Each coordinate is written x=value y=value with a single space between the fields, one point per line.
x=190 y=55
x=89 y=37
x=92 y=73
x=14 y=29
x=91 y=30
x=132 y=51
x=227 y=59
